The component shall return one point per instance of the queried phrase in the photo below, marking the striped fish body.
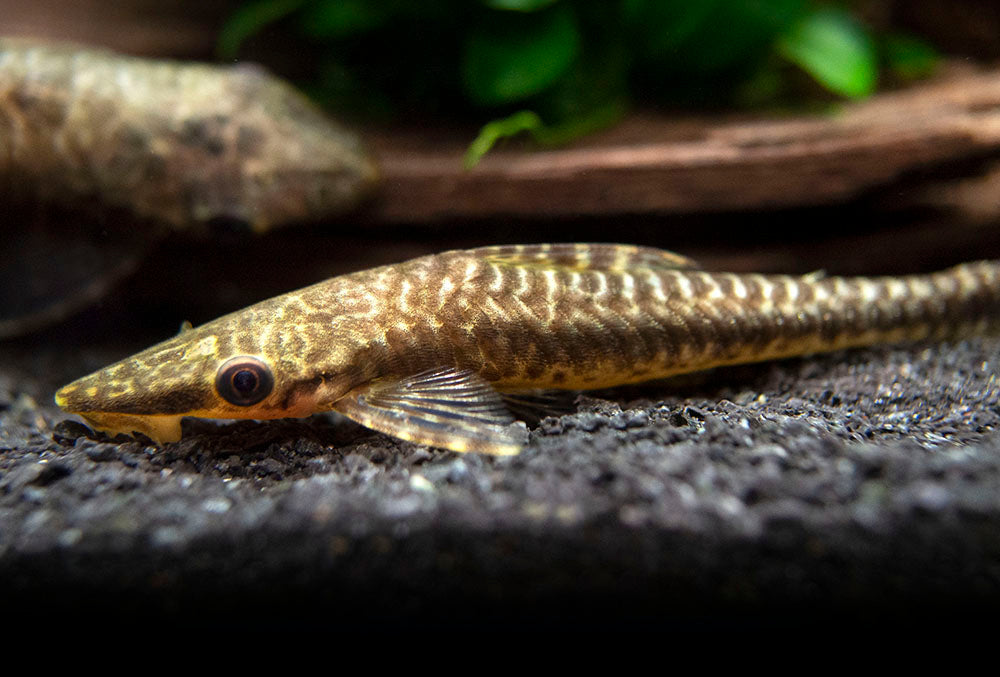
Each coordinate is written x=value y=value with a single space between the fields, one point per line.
x=424 y=349
x=592 y=316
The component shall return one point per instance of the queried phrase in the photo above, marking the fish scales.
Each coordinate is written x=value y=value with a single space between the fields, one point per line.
x=510 y=319
x=536 y=326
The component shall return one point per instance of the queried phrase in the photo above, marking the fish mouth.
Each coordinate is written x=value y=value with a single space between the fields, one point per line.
x=161 y=428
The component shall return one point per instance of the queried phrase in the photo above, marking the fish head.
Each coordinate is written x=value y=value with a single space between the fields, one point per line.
x=228 y=369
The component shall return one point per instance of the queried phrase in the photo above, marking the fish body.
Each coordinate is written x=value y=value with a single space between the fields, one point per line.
x=427 y=349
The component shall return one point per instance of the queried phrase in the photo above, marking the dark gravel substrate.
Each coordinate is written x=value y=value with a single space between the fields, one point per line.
x=861 y=486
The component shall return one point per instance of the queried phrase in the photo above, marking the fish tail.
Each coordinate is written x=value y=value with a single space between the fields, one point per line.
x=746 y=318
x=952 y=303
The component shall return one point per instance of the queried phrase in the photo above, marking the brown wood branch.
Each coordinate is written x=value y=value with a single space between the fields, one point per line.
x=664 y=164
x=139 y=27
x=651 y=164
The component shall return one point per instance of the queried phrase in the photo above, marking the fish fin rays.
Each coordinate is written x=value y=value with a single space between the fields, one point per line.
x=582 y=257
x=531 y=406
x=447 y=408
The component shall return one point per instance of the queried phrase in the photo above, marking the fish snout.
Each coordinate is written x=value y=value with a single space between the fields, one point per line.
x=76 y=397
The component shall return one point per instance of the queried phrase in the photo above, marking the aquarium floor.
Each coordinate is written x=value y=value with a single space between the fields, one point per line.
x=862 y=485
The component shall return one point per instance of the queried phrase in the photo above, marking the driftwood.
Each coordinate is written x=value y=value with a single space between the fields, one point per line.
x=140 y=27
x=181 y=143
x=664 y=164
x=100 y=154
x=651 y=163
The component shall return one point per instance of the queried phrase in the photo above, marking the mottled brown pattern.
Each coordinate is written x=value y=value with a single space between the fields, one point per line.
x=568 y=317
x=182 y=143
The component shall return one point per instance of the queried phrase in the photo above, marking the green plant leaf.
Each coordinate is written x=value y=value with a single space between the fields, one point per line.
x=707 y=36
x=763 y=87
x=515 y=56
x=835 y=49
x=519 y=5
x=333 y=19
x=249 y=20
x=546 y=135
x=908 y=57
x=522 y=121
x=662 y=26
x=578 y=126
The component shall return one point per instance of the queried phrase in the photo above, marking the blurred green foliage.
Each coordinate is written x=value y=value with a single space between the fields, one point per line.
x=834 y=48
x=560 y=68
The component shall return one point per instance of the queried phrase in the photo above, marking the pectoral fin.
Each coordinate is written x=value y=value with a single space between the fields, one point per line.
x=448 y=408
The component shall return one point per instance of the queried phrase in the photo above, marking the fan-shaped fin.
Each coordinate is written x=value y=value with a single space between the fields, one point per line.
x=448 y=408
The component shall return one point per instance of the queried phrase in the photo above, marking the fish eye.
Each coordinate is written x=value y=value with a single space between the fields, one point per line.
x=244 y=381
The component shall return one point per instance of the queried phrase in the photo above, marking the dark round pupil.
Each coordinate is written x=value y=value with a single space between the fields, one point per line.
x=245 y=381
